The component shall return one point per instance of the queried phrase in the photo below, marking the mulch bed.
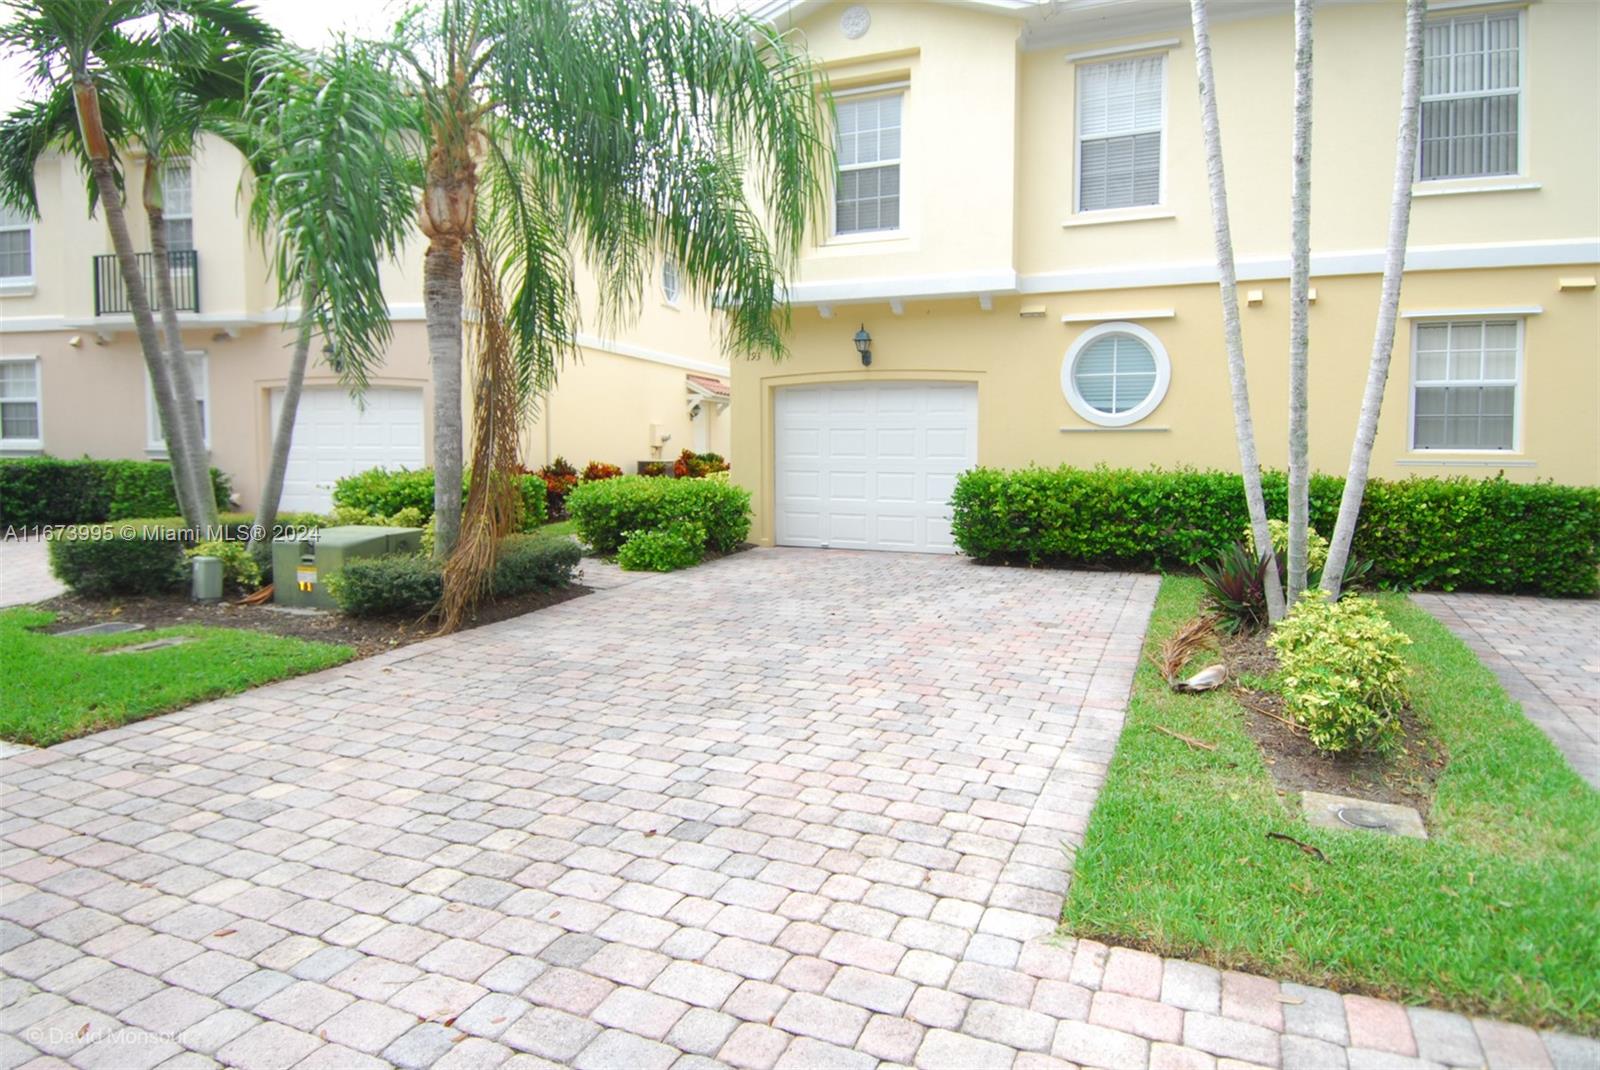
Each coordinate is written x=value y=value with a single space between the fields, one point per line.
x=1407 y=776
x=368 y=635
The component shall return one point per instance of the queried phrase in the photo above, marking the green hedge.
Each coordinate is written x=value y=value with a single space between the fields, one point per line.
x=102 y=561
x=131 y=556
x=412 y=583
x=606 y=513
x=1476 y=534
x=380 y=492
x=45 y=490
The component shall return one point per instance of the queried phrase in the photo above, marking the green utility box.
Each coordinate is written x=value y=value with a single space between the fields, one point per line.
x=300 y=566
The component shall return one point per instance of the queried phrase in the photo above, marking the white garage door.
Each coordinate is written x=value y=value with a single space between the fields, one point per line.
x=870 y=466
x=333 y=437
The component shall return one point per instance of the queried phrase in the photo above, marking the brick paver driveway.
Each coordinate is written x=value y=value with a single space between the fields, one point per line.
x=792 y=803
x=25 y=574
x=1546 y=652
x=795 y=808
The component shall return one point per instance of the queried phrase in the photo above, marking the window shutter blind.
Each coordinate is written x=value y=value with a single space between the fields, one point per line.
x=1119 y=133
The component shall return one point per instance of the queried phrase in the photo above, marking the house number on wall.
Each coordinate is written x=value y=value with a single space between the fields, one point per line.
x=855 y=21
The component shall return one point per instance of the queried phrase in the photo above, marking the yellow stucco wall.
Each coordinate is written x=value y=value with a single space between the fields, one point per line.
x=1024 y=417
x=631 y=374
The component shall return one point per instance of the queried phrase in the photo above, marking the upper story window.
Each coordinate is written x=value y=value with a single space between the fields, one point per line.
x=867 y=190
x=19 y=404
x=1466 y=374
x=177 y=189
x=1121 y=112
x=200 y=375
x=16 y=245
x=671 y=285
x=1471 y=96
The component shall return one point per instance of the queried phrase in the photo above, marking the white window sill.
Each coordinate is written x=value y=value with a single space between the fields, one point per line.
x=1465 y=459
x=1119 y=215
x=675 y=306
x=21 y=445
x=17 y=288
x=1455 y=187
x=1097 y=428
x=866 y=237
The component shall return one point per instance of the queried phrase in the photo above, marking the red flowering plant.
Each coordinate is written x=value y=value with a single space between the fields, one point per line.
x=598 y=470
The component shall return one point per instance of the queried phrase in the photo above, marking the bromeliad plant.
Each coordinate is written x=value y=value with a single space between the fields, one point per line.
x=1236 y=589
x=1344 y=672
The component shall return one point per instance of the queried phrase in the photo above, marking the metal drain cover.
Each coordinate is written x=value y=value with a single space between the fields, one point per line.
x=1345 y=812
x=1358 y=817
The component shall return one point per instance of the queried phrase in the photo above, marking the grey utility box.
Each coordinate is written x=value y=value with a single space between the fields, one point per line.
x=300 y=567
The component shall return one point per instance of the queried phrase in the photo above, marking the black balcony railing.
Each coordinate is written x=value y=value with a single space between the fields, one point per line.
x=111 y=294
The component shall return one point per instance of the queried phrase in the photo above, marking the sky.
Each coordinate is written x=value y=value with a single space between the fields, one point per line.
x=305 y=22
x=308 y=23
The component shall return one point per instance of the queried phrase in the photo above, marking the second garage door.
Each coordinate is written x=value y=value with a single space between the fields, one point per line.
x=334 y=437
x=870 y=466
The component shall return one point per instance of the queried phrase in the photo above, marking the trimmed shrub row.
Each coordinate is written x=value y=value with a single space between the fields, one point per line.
x=131 y=556
x=382 y=495
x=413 y=583
x=1476 y=534
x=608 y=512
x=45 y=490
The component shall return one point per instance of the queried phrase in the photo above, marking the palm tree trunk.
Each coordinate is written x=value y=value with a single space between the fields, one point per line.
x=1299 y=305
x=442 y=295
x=196 y=465
x=98 y=149
x=283 y=435
x=1405 y=166
x=1244 y=428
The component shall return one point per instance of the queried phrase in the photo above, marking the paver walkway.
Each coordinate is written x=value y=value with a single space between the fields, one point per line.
x=1546 y=652
x=25 y=575
x=793 y=808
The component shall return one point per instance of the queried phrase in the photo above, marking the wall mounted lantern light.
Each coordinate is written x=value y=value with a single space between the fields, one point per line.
x=864 y=346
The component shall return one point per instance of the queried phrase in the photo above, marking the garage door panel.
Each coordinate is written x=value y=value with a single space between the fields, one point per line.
x=897 y=443
x=847 y=442
x=848 y=529
x=335 y=437
x=898 y=532
x=890 y=454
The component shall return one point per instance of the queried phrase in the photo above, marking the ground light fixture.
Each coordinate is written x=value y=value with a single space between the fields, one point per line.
x=864 y=346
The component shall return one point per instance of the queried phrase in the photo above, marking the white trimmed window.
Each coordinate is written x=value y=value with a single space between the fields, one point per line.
x=19 y=404
x=866 y=194
x=199 y=372
x=1121 y=112
x=1115 y=374
x=16 y=246
x=1471 y=96
x=1465 y=379
x=177 y=190
x=671 y=285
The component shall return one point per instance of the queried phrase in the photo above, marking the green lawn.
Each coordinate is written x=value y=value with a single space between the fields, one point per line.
x=54 y=688
x=560 y=527
x=1498 y=913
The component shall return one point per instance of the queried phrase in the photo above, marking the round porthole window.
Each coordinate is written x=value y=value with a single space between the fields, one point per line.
x=1115 y=374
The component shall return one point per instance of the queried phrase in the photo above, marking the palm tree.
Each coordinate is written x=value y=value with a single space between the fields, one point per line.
x=333 y=198
x=1300 y=305
x=618 y=130
x=1394 y=263
x=1244 y=428
x=77 y=51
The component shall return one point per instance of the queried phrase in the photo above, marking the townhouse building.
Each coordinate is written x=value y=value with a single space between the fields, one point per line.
x=1020 y=237
x=73 y=380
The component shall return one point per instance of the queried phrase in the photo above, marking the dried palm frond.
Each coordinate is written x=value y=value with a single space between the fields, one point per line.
x=493 y=499
x=1192 y=637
